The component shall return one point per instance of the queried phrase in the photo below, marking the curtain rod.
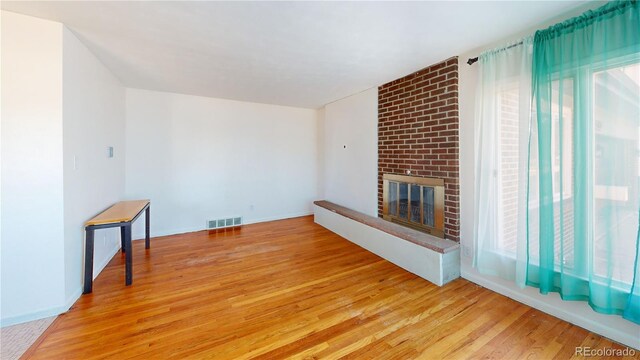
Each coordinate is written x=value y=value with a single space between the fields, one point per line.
x=471 y=61
x=586 y=16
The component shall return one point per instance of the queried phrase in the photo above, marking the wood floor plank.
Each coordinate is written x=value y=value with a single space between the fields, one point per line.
x=292 y=289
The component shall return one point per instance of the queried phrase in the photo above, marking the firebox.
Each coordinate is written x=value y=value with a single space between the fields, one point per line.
x=415 y=202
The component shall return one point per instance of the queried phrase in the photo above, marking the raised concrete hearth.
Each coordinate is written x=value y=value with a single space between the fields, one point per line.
x=434 y=259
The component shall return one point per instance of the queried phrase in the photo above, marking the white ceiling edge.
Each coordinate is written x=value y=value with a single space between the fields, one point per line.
x=295 y=54
x=507 y=39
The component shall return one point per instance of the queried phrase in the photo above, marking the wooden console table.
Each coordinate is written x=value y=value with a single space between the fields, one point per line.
x=121 y=215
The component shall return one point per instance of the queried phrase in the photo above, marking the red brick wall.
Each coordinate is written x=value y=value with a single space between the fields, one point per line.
x=418 y=131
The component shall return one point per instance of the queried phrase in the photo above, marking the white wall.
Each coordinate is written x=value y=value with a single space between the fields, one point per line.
x=321 y=153
x=576 y=312
x=350 y=137
x=32 y=176
x=199 y=158
x=94 y=119
x=58 y=102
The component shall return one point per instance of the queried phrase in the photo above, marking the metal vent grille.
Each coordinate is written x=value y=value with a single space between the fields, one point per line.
x=224 y=223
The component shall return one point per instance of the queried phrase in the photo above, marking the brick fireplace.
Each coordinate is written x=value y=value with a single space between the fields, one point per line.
x=418 y=133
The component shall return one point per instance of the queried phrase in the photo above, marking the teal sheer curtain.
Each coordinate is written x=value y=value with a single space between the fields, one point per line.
x=584 y=160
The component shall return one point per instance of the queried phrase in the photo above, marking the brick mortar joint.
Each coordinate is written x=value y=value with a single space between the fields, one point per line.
x=409 y=100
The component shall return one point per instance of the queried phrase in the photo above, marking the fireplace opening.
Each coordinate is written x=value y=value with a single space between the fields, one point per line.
x=415 y=202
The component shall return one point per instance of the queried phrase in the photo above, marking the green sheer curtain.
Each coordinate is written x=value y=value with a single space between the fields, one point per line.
x=584 y=160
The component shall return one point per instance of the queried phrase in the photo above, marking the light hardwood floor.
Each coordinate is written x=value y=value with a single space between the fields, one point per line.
x=291 y=288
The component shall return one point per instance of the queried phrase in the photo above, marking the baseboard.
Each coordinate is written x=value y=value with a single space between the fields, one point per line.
x=73 y=298
x=78 y=292
x=280 y=217
x=575 y=312
x=32 y=316
x=140 y=236
x=97 y=270
x=61 y=309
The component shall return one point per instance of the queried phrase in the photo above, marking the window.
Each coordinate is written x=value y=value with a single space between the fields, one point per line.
x=616 y=121
x=613 y=142
x=616 y=134
x=509 y=166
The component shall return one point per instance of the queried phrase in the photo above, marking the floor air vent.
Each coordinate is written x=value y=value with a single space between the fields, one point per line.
x=224 y=223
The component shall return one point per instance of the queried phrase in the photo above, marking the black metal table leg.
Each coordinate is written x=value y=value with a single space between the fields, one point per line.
x=147 y=219
x=125 y=242
x=122 y=239
x=88 y=261
x=128 y=258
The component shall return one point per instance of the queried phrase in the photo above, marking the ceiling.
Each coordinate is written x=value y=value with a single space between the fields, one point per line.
x=303 y=54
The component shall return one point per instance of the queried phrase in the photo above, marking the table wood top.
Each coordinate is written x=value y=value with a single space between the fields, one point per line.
x=122 y=211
